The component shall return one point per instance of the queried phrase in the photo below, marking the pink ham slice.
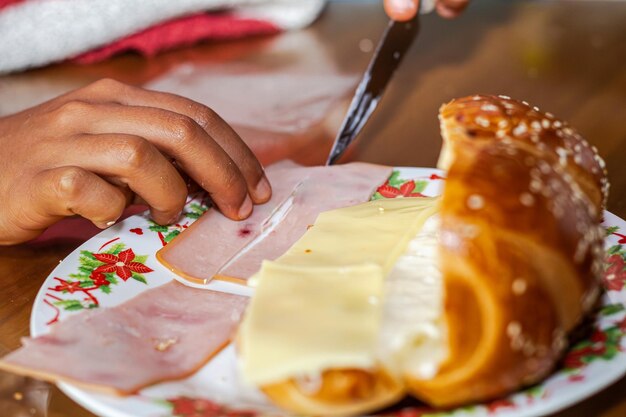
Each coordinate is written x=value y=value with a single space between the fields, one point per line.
x=199 y=252
x=326 y=188
x=164 y=333
x=213 y=247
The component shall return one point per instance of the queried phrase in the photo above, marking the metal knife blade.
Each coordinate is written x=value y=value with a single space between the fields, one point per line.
x=392 y=47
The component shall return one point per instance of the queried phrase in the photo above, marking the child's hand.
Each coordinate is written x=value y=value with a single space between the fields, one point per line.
x=92 y=151
x=403 y=10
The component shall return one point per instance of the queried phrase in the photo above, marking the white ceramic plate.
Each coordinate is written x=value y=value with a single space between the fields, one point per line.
x=216 y=389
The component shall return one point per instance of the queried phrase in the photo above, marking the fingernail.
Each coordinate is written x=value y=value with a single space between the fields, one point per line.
x=263 y=191
x=246 y=208
x=401 y=9
x=102 y=225
x=403 y=6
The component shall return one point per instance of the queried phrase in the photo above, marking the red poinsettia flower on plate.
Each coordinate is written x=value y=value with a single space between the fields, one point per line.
x=64 y=285
x=498 y=405
x=405 y=190
x=615 y=274
x=99 y=279
x=598 y=337
x=121 y=264
x=200 y=407
x=184 y=406
x=576 y=358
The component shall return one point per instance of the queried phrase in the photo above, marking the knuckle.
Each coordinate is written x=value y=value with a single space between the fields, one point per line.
x=70 y=183
x=205 y=116
x=105 y=84
x=133 y=152
x=233 y=180
x=70 y=111
x=184 y=128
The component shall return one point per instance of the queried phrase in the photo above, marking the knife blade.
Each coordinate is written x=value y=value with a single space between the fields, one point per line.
x=392 y=47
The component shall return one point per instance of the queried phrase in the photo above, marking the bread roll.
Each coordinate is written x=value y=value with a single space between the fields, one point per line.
x=520 y=246
x=519 y=251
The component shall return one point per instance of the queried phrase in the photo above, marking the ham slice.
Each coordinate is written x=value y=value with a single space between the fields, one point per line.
x=164 y=333
x=199 y=252
x=216 y=247
x=326 y=188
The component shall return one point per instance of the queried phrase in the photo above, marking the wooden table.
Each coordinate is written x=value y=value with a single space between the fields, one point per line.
x=566 y=57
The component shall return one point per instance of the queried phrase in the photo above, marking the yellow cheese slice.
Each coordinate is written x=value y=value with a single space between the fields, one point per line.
x=319 y=306
x=305 y=319
x=377 y=231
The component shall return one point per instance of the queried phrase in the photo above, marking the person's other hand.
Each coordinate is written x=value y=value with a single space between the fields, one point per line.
x=93 y=151
x=403 y=10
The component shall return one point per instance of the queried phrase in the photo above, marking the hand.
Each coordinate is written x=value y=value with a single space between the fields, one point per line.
x=92 y=151
x=403 y=10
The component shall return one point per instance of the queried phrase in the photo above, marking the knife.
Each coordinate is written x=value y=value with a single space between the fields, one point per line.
x=392 y=47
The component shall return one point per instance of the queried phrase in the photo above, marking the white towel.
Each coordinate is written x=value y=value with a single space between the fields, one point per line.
x=39 y=32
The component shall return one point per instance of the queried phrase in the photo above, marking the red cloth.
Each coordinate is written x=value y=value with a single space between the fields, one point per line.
x=179 y=32
x=5 y=3
x=175 y=33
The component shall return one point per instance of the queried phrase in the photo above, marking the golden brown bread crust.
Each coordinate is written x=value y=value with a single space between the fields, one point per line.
x=339 y=392
x=520 y=246
x=471 y=123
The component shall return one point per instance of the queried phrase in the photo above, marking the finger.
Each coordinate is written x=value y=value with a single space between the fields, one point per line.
x=131 y=197
x=130 y=161
x=401 y=10
x=220 y=131
x=257 y=184
x=177 y=136
x=450 y=9
x=69 y=190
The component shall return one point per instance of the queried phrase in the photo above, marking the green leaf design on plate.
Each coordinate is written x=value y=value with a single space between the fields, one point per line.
x=395 y=180
x=139 y=277
x=70 y=305
x=611 y=229
x=535 y=392
x=612 y=309
x=116 y=249
x=611 y=351
x=196 y=210
x=376 y=196
x=141 y=259
x=171 y=235
x=420 y=185
x=157 y=227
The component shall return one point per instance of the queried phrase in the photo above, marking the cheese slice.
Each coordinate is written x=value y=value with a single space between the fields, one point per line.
x=319 y=306
x=303 y=320
x=377 y=232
